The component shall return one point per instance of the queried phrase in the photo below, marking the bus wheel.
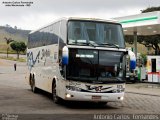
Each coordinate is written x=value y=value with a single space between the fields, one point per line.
x=56 y=99
x=33 y=87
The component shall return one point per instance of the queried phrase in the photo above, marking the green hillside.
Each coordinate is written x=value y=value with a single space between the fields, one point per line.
x=14 y=34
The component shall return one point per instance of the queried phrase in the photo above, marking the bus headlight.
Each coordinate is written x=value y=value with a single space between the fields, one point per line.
x=121 y=98
x=68 y=95
x=73 y=88
x=120 y=73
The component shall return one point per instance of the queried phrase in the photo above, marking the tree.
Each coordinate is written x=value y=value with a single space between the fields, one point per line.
x=18 y=47
x=152 y=40
x=8 y=26
x=15 y=27
x=8 y=41
x=151 y=9
x=149 y=40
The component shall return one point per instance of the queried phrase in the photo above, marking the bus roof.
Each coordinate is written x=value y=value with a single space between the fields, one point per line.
x=93 y=19
x=77 y=18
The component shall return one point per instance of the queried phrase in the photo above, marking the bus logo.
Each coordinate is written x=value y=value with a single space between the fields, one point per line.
x=96 y=88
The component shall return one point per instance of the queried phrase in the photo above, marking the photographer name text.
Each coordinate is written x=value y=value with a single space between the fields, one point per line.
x=17 y=3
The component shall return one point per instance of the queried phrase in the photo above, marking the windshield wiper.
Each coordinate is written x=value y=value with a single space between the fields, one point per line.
x=92 y=43
x=119 y=79
x=110 y=44
x=78 y=43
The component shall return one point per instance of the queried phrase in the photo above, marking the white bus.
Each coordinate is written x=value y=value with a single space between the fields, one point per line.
x=78 y=59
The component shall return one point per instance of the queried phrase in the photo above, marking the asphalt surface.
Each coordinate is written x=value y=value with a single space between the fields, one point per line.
x=17 y=100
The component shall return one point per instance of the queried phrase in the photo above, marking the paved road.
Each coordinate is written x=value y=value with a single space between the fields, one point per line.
x=17 y=98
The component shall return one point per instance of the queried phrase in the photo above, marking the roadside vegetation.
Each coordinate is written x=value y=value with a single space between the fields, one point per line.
x=13 y=58
x=13 y=41
x=18 y=47
x=148 y=41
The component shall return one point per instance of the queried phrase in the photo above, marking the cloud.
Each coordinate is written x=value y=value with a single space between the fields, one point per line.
x=44 y=11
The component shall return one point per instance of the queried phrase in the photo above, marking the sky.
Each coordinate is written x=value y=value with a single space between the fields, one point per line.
x=42 y=12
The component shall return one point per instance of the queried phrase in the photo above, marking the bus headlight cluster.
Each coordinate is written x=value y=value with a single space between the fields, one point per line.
x=73 y=88
x=118 y=90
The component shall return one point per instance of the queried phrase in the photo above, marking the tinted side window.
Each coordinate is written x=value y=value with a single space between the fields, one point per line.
x=49 y=35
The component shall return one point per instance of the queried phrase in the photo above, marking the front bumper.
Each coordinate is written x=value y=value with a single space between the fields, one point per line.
x=97 y=97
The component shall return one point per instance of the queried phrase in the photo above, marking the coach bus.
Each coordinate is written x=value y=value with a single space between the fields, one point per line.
x=78 y=59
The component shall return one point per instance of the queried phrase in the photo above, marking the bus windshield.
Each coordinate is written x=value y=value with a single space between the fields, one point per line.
x=95 y=65
x=95 y=33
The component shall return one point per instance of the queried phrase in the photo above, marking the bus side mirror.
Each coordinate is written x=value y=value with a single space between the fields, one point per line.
x=126 y=53
x=65 y=55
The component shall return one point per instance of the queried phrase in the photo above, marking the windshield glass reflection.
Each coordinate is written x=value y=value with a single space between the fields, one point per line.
x=95 y=33
x=94 y=65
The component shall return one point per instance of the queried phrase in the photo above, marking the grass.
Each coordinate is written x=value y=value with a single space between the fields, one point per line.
x=11 y=52
x=13 y=59
x=5 y=52
x=3 y=49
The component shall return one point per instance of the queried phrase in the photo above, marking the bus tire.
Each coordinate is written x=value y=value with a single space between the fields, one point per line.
x=56 y=99
x=134 y=81
x=33 y=87
x=30 y=78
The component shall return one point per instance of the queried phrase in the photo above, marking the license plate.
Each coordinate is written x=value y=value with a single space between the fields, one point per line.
x=96 y=97
x=132 y=78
